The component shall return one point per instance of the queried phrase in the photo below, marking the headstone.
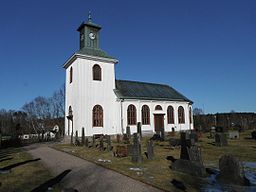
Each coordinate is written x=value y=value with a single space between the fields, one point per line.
x=221 y=139
x=72 y=135
x=194 y=153
x=93 y=141
x=126 y=139
x=150 y=150
x=231 y=171
x=184 y=145
x=193 y=135
x=118 y=138
x=121 y=151
x=162 y=134
x=174 y=142
x=212 y=132
x=128 y=131
x=77 y=142
x=189 y=167
x=136 y=149
x=172 y=134
x=139 y=129
x=109 y=147
x=219 y=129
x=86 y=142
x=253 y=135
x=83 y=137
x=101 y=144
x=233 y=134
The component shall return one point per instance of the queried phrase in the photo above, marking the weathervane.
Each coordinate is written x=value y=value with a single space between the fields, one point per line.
x=90 y=17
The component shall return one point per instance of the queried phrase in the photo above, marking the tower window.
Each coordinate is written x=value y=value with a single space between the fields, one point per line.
x=96 y=73
x=71 y=75
x=181 y=115
x=97 y=116
x=170 y=115
x=145 y=112
x=131 y=115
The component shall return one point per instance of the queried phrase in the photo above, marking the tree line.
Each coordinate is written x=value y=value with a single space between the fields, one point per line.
x=36 y=116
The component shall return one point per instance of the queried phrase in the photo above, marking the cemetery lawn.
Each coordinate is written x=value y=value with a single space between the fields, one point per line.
x=157 y=172
x=24 y=177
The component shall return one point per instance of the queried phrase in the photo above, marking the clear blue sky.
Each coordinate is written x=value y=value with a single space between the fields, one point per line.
x=205 y=49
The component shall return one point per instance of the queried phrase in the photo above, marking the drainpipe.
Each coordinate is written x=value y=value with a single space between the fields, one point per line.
x=122 y=120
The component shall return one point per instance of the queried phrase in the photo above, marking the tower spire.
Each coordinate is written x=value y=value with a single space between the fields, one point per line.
x=89 y=17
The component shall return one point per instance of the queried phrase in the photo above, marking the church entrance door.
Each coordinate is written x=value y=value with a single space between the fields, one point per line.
x=159 y=122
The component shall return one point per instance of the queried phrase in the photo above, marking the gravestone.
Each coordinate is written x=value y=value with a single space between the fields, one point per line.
x=126 y=139
x=172 y=134
x=128 y=131
x=86 y=142
x=174 y=142
x=233 y=134
x=101 y=147
x=93 y=141
x=184 y=145
x=194 y=153
x=118 y=138
x=83 y=137
x=162 y=134
x=193 y=136
x=189 y=167
x=139 y=129
x=109 y=147
x=212 y=132
x=231 y=171
x=221 y=139
x=136 y=149
x=150 y=150
x=77 y=142
x=121 y=151
x=253 y=135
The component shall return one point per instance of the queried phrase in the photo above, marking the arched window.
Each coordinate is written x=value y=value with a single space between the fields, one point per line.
x=131 y=115
x=181 y=115
x=96 y=73
x=145 y=113
x=70 y=75
x=97 y=116
x=158 y=107
x=170 y=115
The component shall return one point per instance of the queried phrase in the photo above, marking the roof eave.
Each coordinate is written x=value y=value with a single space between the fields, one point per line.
x=90 y=57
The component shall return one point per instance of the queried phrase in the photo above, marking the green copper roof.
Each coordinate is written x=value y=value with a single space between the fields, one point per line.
x=94 y=52
x=147 y=91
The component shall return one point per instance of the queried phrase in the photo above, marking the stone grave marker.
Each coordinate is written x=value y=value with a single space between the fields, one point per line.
x=162 y=134
x=150 y=150
x=101 y=147
x=194 y=153
x=86 y=142
x=136 y=149
x=128 y=131
x=93 y=141
x=233 y=134
x=83 y=137
x=231 y=171
x=121 y=151
x=109 y=146
x=139 y=129
x=118 y=138
x=77 y=142
x=221 y=139
x=253 y=135
x=126 y=139
x=184 y=145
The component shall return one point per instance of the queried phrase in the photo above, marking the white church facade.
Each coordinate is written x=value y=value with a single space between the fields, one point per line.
x=101 y=104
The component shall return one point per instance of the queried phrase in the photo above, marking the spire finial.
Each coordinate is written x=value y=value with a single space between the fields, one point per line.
x=90 y=17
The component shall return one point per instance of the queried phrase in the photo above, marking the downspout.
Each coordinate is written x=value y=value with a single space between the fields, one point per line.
x=122 y=120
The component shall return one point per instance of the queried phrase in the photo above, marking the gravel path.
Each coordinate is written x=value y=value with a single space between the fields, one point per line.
x=86 y=176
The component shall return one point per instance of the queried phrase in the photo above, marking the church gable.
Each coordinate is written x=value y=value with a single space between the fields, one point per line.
x=147 y=91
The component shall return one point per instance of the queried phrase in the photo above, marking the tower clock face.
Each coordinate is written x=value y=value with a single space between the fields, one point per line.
x=92 y=35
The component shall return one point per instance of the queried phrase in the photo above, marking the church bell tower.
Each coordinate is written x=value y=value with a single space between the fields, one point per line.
x=89 y=34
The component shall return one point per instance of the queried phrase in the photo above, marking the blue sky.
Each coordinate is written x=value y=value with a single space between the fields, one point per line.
x=205 y=49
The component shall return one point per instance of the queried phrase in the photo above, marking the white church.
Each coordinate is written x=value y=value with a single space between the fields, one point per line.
x=101 y=104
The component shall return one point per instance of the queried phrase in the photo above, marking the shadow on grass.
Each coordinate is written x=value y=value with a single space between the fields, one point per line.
x=9 y=167
x=50 y=183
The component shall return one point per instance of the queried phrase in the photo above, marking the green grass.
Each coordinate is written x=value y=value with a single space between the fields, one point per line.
x=157 y=171
x=25 y=177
